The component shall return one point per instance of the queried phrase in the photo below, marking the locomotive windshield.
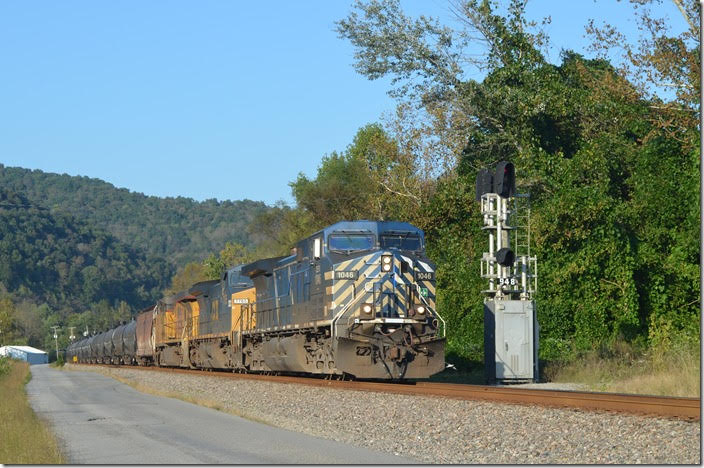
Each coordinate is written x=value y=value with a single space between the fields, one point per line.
x=401 y=241
x=236 y=279
x=350 y=242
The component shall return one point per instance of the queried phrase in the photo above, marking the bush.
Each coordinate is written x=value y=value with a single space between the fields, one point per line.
x=4 y=365
x=556 y=349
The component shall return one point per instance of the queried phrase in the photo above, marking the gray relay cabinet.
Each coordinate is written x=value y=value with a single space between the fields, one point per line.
x=510 y=340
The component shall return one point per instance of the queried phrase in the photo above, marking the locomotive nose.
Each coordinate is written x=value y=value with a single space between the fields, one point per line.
x=396 y=285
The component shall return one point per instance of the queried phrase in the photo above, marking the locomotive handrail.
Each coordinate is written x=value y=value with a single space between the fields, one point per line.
x=338 y=316
x=435 y=312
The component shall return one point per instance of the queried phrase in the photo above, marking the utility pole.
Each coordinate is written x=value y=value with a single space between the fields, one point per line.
x=56 y=340
x=701 y=170
x=71 y=336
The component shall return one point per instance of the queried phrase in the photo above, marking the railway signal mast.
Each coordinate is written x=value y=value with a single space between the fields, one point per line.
x=510 y=322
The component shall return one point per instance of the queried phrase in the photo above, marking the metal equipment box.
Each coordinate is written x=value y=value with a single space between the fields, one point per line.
x=510 y=341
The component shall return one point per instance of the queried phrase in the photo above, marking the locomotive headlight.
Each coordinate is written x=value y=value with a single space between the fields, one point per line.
x=367 y=309
x=420 y=310
x=386 y=263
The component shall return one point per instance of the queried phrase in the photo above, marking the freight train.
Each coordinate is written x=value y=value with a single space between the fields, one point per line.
x=356 y=299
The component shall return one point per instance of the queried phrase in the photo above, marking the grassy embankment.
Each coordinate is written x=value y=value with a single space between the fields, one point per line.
x=676 y=372
x=619 y=369
x=24 y=438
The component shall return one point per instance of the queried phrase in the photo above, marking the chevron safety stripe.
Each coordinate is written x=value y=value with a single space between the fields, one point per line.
x=396 y=289
x=349 y=265
x=343 y=289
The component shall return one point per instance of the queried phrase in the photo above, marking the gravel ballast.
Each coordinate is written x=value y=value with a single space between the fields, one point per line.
x=436 y=430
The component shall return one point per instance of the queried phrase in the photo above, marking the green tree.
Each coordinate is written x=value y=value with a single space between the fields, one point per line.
x=233 y=254
x=29 y=322
x=660 y=60
x=371 y=179
x=340 y=190
x=280 y=228
x=8 y=322
x=187 y=276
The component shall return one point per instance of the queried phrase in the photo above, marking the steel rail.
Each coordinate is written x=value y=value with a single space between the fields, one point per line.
x=662 y=406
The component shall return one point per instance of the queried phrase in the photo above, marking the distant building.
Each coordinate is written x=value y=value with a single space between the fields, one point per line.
x=25 y=353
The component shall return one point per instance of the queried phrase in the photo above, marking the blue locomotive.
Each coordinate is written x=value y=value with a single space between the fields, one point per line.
x=356 y=298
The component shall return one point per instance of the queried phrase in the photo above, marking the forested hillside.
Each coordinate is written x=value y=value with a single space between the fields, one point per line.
x=76 y=251
x=179 y=230
x=59 y=270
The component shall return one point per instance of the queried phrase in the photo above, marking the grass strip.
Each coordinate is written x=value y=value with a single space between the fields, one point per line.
x=24 y=438
x=676 y=372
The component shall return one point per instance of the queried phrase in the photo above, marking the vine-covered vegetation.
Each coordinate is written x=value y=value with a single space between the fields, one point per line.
x=611 y=167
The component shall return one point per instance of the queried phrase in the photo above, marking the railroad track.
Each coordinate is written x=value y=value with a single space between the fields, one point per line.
x=674 y=407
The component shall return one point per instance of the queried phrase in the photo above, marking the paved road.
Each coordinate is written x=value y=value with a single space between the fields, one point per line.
x=100 y=420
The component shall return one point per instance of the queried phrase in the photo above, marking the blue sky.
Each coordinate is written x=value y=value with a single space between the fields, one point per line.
x=203 y=99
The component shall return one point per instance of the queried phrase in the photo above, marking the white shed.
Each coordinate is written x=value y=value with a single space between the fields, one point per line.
x=26 y=353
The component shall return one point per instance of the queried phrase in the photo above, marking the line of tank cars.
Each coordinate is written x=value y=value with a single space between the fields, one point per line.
x=355 y=299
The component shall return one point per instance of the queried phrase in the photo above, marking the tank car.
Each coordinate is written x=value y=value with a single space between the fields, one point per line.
x=117 y=345
x=107 y=346
x=124 y=343
x=70 y=353
x=129 y=343
x=96 y=349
